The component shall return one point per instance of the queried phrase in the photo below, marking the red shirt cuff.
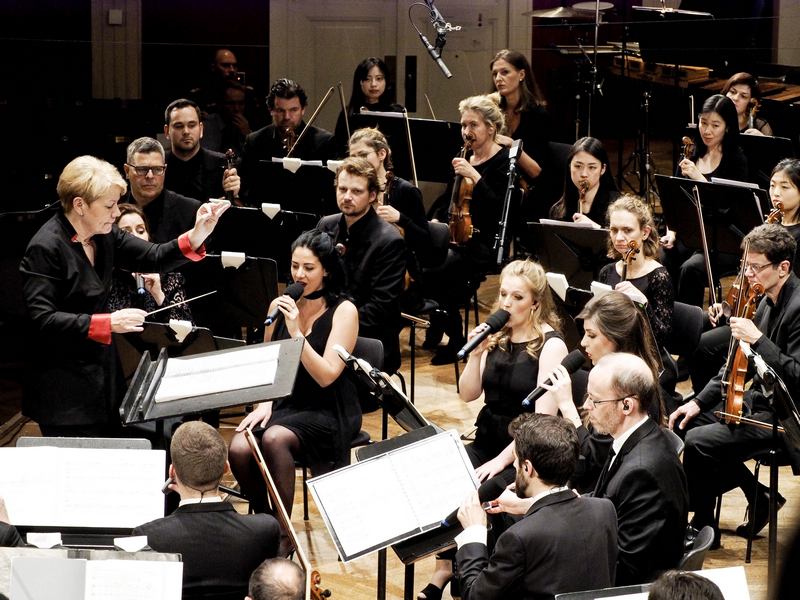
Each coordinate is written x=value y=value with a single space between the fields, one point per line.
x=186 y=248
x=100 y=328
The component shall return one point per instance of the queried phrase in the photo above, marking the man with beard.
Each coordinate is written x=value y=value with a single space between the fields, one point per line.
x=547 y=552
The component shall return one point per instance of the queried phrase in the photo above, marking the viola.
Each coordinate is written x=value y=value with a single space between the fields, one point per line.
x=583 y=188
x=629 y=257
x=460 y=220
x=687 y=147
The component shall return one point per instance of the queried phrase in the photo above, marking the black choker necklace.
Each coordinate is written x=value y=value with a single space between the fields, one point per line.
x=314 y=295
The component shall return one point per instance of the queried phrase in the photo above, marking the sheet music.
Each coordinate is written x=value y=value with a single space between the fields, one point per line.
x=133 y=580
x=82 y=487
x=395 y=495
x=249 y=366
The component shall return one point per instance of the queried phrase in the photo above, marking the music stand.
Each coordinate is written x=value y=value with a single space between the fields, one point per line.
x=763 y=152
x=435 y=143
x=309 y=189
x=729 y=212
x=139 y=405
x=662 y=35
x=577 y=252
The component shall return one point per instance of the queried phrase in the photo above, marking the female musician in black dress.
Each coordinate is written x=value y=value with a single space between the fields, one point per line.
x=717 y=154
x=504 y=368
x=371 y=91
x=588 y=185
x=322 y=416
x=743 y=90
x=646 y=280
x=398 y=201
x=487 y=169
x=67 y=272
x=159 y=289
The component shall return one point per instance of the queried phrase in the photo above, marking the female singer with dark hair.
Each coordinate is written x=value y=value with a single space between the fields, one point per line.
x=67 y=272
x=322 y=416
x=523 y=105
x=398 y=201
x=486 y=169
x=717 y=154
x=743 y=90
x=157 y=289
x=588 y=185
x=644 y=280
x=505 y=368
x=372 y=91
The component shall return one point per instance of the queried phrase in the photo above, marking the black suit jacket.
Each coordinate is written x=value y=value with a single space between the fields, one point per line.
x=565 y=543
x=375 y=264
x=169 y=215
x=220 y=547
x=200 y=177
x=648 y=488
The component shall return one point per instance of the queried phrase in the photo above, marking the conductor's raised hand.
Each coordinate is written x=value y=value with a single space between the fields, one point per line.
x=205 y=221
x=127 y=320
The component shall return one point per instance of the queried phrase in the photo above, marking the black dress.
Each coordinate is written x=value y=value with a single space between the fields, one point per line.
x=123 y=294
x=508 y=377
x=325 y=419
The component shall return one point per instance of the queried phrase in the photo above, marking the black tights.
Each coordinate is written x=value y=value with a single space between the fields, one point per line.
x=279 y=446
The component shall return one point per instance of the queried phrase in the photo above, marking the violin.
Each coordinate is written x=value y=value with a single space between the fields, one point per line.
x=460 y=220
x=755 y=105
x=776 y=214
x=629 y=257
x=687 y=147
x=742 y=301
x=583 y=188
x=288 y=139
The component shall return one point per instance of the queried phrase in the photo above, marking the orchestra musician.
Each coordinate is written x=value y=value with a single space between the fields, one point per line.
x=715 y=452
x=717 y=154
x=157 y=289
x=742 y=88
x=67 y=272
x=319 y=420
x=398 y=202
x=487 y=171
x=372 y=91
x=503 y=369
x=644 y=279
x=589 y=187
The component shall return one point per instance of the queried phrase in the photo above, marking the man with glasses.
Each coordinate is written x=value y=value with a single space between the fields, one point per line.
x=715 y=452
x=169 y=214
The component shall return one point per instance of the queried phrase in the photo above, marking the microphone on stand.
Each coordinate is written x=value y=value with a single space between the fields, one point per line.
x=294 y=291
x=436 y=55
x=764 y=371
x=572 y=362
x=494 y=323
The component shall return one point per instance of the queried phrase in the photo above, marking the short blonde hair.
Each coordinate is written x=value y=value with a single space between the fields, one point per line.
x=89 y=178
x=487 y=108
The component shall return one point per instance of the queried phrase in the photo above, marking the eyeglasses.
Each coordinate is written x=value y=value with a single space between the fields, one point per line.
x=756 y=269
x=143 y=171
x=588 y=398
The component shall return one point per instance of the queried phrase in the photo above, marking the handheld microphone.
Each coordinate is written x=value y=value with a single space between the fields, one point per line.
x=294 y=291
x=572 y=362
x=140 y=289
x=493 y=323
x=488 y=490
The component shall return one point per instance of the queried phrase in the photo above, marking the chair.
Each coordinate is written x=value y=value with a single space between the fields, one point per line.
x=675 y=441
x=763 y=458
x=694 y=558
x=687 y=326
x=371 y=350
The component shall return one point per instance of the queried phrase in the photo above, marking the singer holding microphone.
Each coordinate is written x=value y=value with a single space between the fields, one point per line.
x=322 y=416
x=66 y=271
x=147 y=291
x=504 y=367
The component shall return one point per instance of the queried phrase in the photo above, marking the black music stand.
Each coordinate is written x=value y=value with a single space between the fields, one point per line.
x=729 y=213
x=763 y=152
x=577 y=252
x=662 y=35
x=309 y=189
x=242 y=298
x=435 y=143
x=139 y=405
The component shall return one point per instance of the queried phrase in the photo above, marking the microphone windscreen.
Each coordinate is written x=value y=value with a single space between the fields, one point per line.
x=294 y=290
x=573 y=361
x=496 y=320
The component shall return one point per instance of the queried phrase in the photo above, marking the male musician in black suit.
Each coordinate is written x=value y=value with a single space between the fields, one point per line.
x=287 y=102
x=194 y=171
x=220 y=547
x=169 y=214
x=715 y=452
x=564 y=543
x=277 y=579
x=374 y=256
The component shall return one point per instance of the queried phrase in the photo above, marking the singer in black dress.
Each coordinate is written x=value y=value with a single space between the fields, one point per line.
x=322 y=416
x=505 y=368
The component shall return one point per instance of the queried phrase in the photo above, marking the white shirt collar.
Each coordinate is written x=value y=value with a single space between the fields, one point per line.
x=620 y=441
x=203 y=500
